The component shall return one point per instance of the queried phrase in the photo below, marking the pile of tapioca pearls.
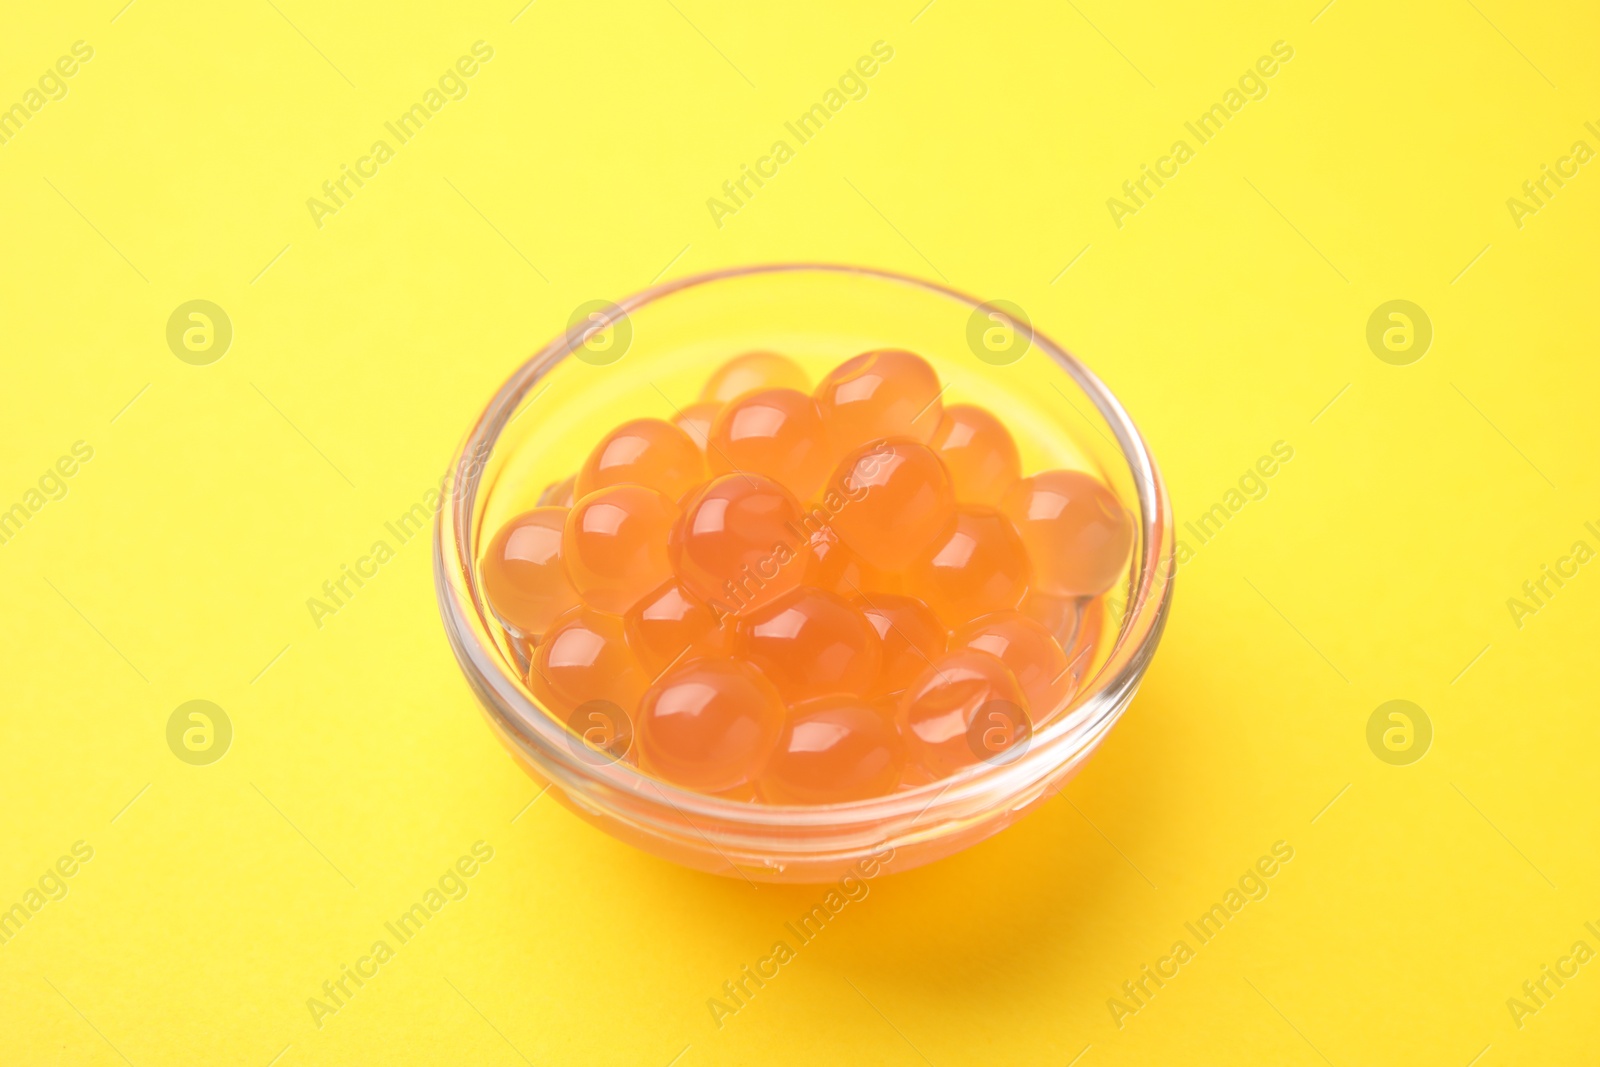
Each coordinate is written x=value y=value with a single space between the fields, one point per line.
x=803 y=596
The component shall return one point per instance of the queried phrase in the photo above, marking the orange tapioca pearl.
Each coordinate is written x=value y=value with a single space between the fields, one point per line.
x=965 y=708
x=897 y=501
x=886 y=393
x=832 y=749
x=695 y=420
x=775 y=432
x=523 y=575
x=666 y=623
x=558 y=494
x=708 y=724
x=615 y=545
x=1075 y=529
x=752 y=371
x=810 y=643
x=643 y=452
x=834 y=567
x=977 y=566
x=585 y=657
x=740 y=543
x=912 y=635
x=979 y=453
x=1026 y=647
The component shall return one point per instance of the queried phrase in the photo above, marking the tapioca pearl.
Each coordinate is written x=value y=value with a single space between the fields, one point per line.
x=585 y=657
x=896 y=500
x=979 y=453
x=775 y=432
x=834 y=749
x=668 y=623
x=912 y=636
x=740 y=543
x=885 y=393
x=976 y=567
x=1075 y=530
x=751 y=371
x=708 y=725
x=944 y=714
x=648 y=452
x=1027 y=648
x=523 y=574
x=810 y=643
x=833 y=566
x=615 y=545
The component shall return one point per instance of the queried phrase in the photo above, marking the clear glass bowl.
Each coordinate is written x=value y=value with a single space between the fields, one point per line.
x=649 y=357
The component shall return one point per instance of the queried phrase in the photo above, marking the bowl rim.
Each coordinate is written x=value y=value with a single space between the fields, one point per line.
x=546 y=741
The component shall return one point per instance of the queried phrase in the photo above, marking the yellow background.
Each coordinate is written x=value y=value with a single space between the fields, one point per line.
x=1227 y=314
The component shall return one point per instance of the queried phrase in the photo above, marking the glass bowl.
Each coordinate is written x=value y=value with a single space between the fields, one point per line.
x=649 y=356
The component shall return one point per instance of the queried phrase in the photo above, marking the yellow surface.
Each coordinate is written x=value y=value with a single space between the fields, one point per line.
x=1229 y=312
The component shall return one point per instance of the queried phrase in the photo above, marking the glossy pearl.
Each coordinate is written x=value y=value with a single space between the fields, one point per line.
x=668 y=623
x=964 y=709
x=1027 y=649
x=879 y=394
x=775 y=432
x=912 y=635
x=897 y=502
x=646 y=452
x=708 y=725
x=740 y=543
x=1077 y=533
x=834 y=567
x=834 y=749
x=810 y=643
x=523 y=574
x=979 y=453
x=752 y=371
x=977 y=566
x=585 y=657
x=615 y=544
